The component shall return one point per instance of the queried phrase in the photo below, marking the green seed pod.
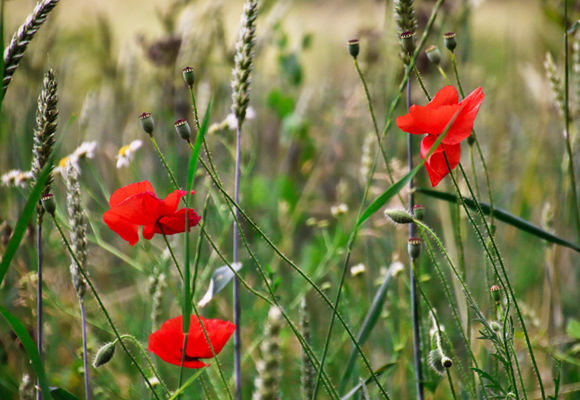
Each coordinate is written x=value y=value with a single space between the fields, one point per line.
x=183 y=129
x=419 y=211
x=449 y=40
x=48 y=203
x=433 y=54
x=495 y=292
x=414 y=247
x=147 y=123
x=408 y=41
x=398 y=216
x=104 y=355
x=188 y=76
x=353 y=47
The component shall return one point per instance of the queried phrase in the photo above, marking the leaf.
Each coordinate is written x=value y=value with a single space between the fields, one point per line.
x=573 y=328
x=61 y=394
x=197 y=148
x=503 y=216
x=191 y=379
x=377 y=372
x=22 y=224
x=367 y=326
x=30 y=347
x=220 y=278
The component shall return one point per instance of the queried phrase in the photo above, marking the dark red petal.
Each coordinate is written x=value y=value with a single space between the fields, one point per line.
x=444 y=97
x=125 y=192
x=463 y=125
x=118 y=224
x=141 y=209
x=175 y=223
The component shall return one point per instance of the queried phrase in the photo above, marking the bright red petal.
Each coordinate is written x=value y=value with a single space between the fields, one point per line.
x=141 y=209
x=148 y=231
x=218 y=332
x=171 y=202
x=436 y=164
x=463 y=125
x=444 y=97
x=427 y=119
x=175 y=223
x=125 y=192
x=124 y=228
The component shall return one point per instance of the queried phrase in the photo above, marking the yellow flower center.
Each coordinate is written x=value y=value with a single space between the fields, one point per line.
x=123 y=150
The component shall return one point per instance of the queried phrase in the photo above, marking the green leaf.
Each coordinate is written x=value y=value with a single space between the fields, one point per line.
x=22 y=224
x=61 y=394
x=367 y=326
x=30 y=347
x=503 y=216
x=573 y=328
x=378 y=372
x=197 y=148
x=191 y=379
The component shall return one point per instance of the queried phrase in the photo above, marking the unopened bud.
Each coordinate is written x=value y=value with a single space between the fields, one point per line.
x=414 y=247
x=188 y=76
x=449 y=40
x=183 y=129
x=408 y=41
x=470 y=140
x=147 y=123
x=433 y=54
x=104 y=355
x=353 y=47
x=419 y=211
x=48 y=203
x=398 y=216
x=495 y=292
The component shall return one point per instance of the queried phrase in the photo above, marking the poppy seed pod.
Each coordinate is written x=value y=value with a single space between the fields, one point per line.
x=419 y=211
x=414 y=247
x=48 y=203
x=353 y=47
x=183 y=129
x=147 y=123
x=398 y=216
x=408 y=41
x=104 y=355
x=188 y=76
x=449 y=40
x=494 y=290
x=433 y=54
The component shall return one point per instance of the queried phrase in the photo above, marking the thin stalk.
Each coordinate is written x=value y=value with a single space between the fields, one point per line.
x=85 y=353
x=162 y=157
x=39 y=311
x=412 y=282
x=571 y=170
x=420 y=80
x=172 y=254
x=102 y=306
x=236 y=289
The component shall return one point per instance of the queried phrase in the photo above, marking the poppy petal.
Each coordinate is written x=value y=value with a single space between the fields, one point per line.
x=148 y=231
x=444 y=97
x=141 y=209
x=171 y=202
x=427 y=119
x=218 y=332
x=436 y=164
x=125 y=192
x=175 y=223
x=122 y=227
x=463 y=125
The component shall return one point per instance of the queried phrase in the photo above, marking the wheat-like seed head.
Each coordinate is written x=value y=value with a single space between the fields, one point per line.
x=15 y=50
x=267 y=383
x=555 y=82
x=243 y=61
x=308 y=372
x=406 y=22
x=78 y=231
x=46 y=116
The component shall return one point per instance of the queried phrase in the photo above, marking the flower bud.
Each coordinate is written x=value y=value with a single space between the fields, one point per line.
x=494 y=290
x=147 y=123
x=449 y=40
x=183 y=129
x=353 y=47
x=104 y=355
x=414 y=247
x=446 y=362
x=419 y=211
x=48 y=203
x=398 y=216
x=433 y=54
x=188 y=76
x=408 y=41
x=470 y=140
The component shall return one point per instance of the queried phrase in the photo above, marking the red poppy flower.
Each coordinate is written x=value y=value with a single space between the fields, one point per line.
x=434 y=117
x=432 y=120
x=136 y=204
x=167 y=342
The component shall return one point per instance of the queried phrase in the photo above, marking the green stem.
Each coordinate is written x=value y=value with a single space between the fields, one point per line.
x=172 y=255
x=162 y=157
x=102 y=306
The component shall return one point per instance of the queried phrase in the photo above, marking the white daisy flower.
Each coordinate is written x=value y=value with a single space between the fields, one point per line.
x=358 y=269
x=125 y=154
x=71 y=159
x=232 y=121
x=86 y=150
x=339 y=210
x=16 y=178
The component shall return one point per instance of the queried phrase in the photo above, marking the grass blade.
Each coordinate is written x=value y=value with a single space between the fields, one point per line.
x=30 y=347
x=197 y=148
x=503 y=216
x=22 y=224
